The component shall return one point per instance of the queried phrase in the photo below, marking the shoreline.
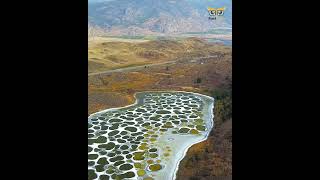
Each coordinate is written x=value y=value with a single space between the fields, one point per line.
x=186 y=150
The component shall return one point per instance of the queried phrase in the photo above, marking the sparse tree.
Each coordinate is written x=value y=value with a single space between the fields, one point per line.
x=199 y=80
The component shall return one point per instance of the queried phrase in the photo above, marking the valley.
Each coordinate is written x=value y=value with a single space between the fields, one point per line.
x=120 y=67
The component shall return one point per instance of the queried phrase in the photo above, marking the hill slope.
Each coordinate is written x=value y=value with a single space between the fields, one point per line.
x=104 y=55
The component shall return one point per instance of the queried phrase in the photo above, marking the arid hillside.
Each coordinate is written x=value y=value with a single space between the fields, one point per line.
x=190 y=74
x=111 y=53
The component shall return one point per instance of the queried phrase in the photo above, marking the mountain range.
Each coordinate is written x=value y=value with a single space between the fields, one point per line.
x=154 y=17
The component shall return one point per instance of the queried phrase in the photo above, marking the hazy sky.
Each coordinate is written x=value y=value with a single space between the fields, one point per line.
x=159 y=0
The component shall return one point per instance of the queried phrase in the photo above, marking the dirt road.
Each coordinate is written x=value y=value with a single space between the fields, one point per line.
x=131 y=68
x=134 y=68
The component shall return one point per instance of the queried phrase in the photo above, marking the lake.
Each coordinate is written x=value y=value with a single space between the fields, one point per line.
x=147 y=140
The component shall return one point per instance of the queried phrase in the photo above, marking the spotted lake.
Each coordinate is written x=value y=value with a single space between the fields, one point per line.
x=148 y=139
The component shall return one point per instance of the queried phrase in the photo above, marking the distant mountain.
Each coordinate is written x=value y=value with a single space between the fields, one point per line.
x=141 y=17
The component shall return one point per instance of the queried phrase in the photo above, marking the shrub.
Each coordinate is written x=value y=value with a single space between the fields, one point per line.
x=223 y=103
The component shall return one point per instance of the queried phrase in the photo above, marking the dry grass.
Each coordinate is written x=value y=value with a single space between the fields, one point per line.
x=105 y=54
x=179 y=76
